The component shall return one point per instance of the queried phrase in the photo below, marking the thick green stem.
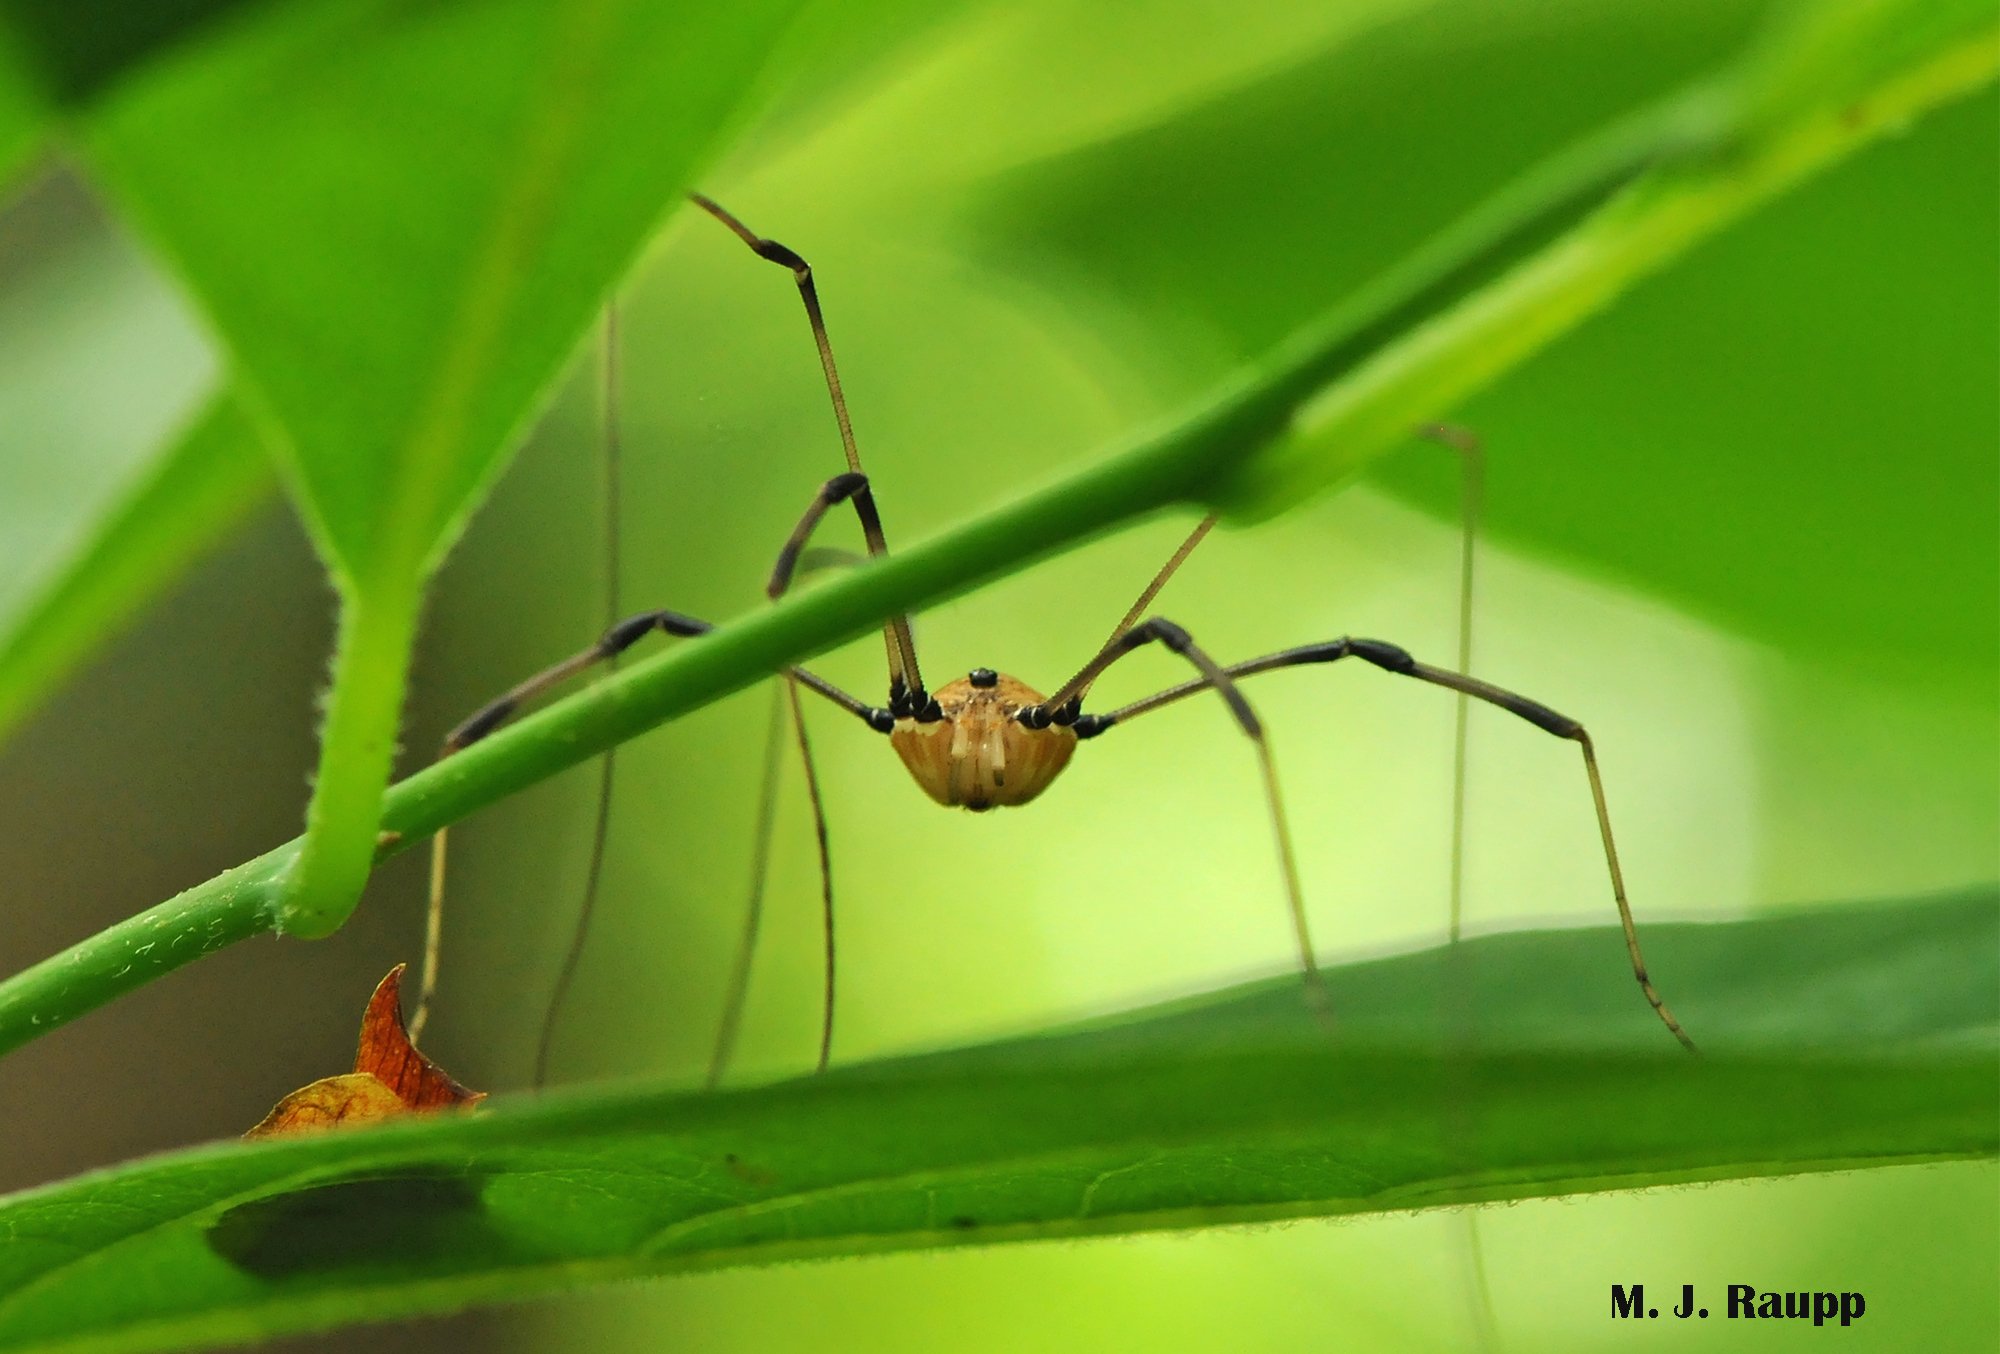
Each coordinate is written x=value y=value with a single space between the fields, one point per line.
x=230 y=907
x=357 y=748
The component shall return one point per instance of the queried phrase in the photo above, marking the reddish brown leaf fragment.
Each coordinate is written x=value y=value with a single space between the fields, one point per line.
x=390 y=1078
x=387 y=1054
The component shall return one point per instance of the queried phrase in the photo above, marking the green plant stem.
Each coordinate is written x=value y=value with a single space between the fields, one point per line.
x=228 y=908
x=1207 y=453
x=364 y=704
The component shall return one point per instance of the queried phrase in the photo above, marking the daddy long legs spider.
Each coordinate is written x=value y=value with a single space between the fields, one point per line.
x=986 y=740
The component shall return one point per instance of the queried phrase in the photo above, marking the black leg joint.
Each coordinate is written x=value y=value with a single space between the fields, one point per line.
x=1089 y=726
x=1389 y=657
x=632 y=629
x=479 y=725
x=1539 y=715
x=878 y=719
x=625 y=634
x=1164 y=631
x=1034 y=716
x=777 y=253
x=843 y=487
x=1067 y=714
x=907 y=704
x=683 y=627
x=1331 y=651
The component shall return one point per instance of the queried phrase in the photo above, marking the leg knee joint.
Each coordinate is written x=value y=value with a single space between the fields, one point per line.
x=1390 y=657
x=843 y=487
x=1167 y=633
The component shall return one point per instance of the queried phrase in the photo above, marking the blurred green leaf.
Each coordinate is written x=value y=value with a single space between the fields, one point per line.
x=1826 y=53
x=1206 y=238
x=206 y=483
x=80 y=48
x=21 y=112
x=1798 y=432
x=101 y=371
x=425 y=208
x=61 y=56
x=1214 y=234
x=1695 y=190
x=1515 y=1066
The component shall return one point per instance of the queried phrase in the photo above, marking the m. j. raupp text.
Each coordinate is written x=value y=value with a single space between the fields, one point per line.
x=1747 y=1300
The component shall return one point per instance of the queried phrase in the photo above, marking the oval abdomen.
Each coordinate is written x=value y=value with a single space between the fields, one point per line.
x=979 y=756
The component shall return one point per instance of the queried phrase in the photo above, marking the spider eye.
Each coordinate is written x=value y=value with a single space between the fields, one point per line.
x=983 y=677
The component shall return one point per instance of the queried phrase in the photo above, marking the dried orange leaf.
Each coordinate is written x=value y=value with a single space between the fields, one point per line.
x=387 y=1053
x=331 y=1102
x=390 y=1077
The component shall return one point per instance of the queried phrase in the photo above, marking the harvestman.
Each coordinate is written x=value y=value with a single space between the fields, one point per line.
x=987 y=740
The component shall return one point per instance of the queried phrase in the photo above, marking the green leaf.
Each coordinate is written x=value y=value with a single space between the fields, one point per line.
x=1779 y=517
x=82 y=48
x=104 y=491
x=1861 y=491
x=1261 y=204
x=61 y=57
x=418 y=231
x=21 y=112
x=205 y=484
x=1744 y=159
x=1517 y=1066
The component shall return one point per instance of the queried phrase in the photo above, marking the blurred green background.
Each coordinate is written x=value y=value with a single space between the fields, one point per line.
x=1743 y=525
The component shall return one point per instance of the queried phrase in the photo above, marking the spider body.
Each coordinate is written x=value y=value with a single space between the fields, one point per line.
x=979 y=754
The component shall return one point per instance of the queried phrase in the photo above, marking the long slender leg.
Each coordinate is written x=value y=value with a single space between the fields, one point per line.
x=841 y=488
x=600 y=833
x=1061 y=708
x=852 y=485
x=905 y=679
x=737 y=989
x=494 y=713
x=907 y=694
x=824 y=843
x=615 y=640
x=1390 y=658
x=1479 y=1289
x=1076 y=688
x=1166 y=571
x=1471 y=501
x=736 y=993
